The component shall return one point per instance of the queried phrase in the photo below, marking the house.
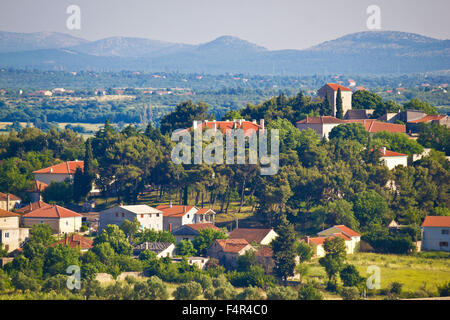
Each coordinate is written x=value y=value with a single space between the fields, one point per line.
x=11 y=235
x=412 y=126
x=392 y=159
x=436 y=233
x=330 y=90
x=317 y=243
x=189 y=231
x=373 y=126
x=148 y=217
x=60 y=219
x=249 y=127
x=36 y=192
x=176 y=216
x=58 y=172
x=358 y=114
x=322 y=125
x=258 y=236
x=9 y=201
x=199 y=261
x=32 y=206
x=75 y=241
x=353 y=235
x=264 y=256
x=162 y=249
x=227 y=251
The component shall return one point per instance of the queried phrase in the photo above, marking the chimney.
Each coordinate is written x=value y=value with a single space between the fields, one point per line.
x=170 y=204
x=8 y=198
x=194 y=124
x=261 y=124
x=240 y=122
x=383 y=150
x=237 y=223
x=215 y=126
x=254 y=121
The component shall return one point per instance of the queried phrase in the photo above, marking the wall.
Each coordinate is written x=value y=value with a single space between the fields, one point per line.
x=432 y=236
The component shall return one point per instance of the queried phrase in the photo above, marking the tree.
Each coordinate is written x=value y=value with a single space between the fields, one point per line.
x=339 y=108
x=130 y=228
x=183 y=116
x=245 y=261
x=58 y=192
x=363 y=99
x=308 y=292
x=333 y=260
x=281 y=293
x=302 y=270
x=188 y=291
x=416 y=104
x=370 y=208
x=350 y=276
x=250 y=293
x=434 y=136
x=88 y=172
x=350 y=131
x=58 y=258
x=116 y=239
x=349 y=293
x=304 y=251
x=153 y=289
x=185 y=248
x=284 y=253
x=205 y=238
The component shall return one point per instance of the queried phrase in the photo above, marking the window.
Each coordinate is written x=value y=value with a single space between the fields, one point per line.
x=444 y=231
x=157 y=215
x=188 y=216
x=6 y=234
x=67 y=223
x=443 y=244
x=142 y=215
x=123 y=214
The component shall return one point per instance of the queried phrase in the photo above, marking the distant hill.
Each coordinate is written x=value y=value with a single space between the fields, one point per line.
x=364 y=53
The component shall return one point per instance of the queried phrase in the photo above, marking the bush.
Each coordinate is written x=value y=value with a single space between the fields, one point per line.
x=350 y=276
x=396 y=288
x=250 y=293
x=153 y=289
x=350 y=293
x=56 y=283
x=308 y=292
x=444 y=289
x=5 y=281
x=188 y=291
x=281 y=293
x=22 y=282
x=204 y=280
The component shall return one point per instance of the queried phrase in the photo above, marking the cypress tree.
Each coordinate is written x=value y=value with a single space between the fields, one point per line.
x=88 y=174
x=339 y=110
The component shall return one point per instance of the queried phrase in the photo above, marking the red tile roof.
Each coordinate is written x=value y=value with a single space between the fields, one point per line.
x=347 y=230
x=7 y=214
x=68 y=167
x=373 y=125
x=336 y=86
x=53 y=211
x=174 y=211
x=428 y=118
x=75 y=241
x=4 y=197
x=204 y=211
x=436 y=221
x=389 y=153
x=232 y=245
x=33 y=206
x=39 y=186
x=265 y=251
x=321 y=120
x=321 y=240
x=250 y=235
x=225 y=126
x=201 y=226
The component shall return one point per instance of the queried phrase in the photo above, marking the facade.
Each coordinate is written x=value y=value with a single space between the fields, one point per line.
x=227 y=251
x=162 y=249
x=436 y=233
x=176 y=216
x=352 y=239
x=264 y=256
x=148 y=217
x=329 y=90
x=353 y=235
x=9 y=201
x=358 y=114
x=259 y=236
x=11 y=235
x=322 y=125
x=189 y=231
x=199 y=261
x=58 y=172
x=392 y=159
x=413 y=125
x=60 y=219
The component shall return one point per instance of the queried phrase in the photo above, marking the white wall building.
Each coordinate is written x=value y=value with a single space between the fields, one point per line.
x=436 y=233
x=148 y=217
x=392 y=159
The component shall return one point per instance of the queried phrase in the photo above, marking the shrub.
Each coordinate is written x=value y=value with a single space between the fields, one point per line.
x=281 y=293
x=23 y=282
x=188 y=291
x=250 y=293
x=350 y=293
x=444 y=289
x=204 y=280
x=396 y=288
x=308 y=292
x=56 y=283
x=350 y=276
x=153 y=289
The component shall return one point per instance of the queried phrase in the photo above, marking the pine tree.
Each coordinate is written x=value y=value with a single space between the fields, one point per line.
x=284 y=251
x=88 y=174
x=339 y=110
x=327 y=108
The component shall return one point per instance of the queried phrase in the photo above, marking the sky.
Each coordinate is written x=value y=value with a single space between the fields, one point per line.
x=274 y=24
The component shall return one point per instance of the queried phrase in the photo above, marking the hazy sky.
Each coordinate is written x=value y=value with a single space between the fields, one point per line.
x=274 y=24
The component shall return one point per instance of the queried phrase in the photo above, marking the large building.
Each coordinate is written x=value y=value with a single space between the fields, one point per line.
x=148 y=217
x=330 y=90
x=258 y=236
x=58 y=172
x=436 y=233
x=176 y=216
x=11 y=235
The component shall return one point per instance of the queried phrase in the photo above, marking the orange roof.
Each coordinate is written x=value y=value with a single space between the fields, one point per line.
x=232 y=245
x=373 y=125
x=436 y=221
x=428 y=118
x=227 y=126
x=265 y=251
x=7 y=214
x=33 y=206
x=336 y=86
x=201 y=226
x=68 y=167
x=204 y=211
x=347 y=230
x=75 y=241
x=250 y=235
x=321 y=240
x=174 y=211
x=53 y=211
x=321 y=120
x=389 y=153
x=4 y=197
x=39 y=186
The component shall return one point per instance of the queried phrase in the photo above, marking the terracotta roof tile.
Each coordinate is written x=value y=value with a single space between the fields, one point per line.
x=428 y=118
x=68 y=167
x=436 y=221
x=4 y=197
x=347 y=230
x=265 y=251
x=232 y=245
x=373 y=125
x=7 y=214
x=336 y=86
x=174 y=211
x=53 y=211
x=321 y=120
x=250 y=235
x=201 y=226
x=75 y=241
x=32 y=206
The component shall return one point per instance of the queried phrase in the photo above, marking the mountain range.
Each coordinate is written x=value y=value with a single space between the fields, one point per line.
x=373 y=52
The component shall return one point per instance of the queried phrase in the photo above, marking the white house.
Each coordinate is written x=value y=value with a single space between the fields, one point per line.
x=392 y=159
x=148 y=217
x=352 y=239
x=60 y=219
x=11 y=236
x=436 y=233
x=162 y=249
x=176 y=216
x=9 y=201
